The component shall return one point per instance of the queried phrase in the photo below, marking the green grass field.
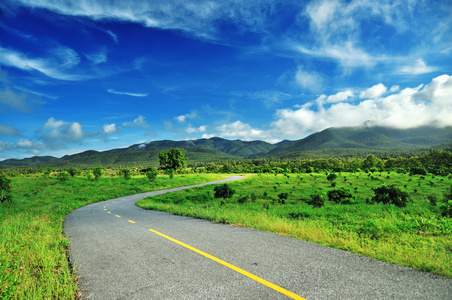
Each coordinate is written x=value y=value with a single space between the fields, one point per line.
x=33 y=261
x=415 y=236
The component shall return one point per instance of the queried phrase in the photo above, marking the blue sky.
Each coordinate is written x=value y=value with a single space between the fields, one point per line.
x=87 y=74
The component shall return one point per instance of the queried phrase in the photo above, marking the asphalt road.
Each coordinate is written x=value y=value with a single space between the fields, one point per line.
x=117 y=256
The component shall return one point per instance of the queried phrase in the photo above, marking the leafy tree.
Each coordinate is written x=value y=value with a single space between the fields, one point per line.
x=341 y=196
x=223 y=191
x=332 y=177
x=173 y=159
x=97 y=172
x=73 y=172
x=5 y=189
x=390 y=195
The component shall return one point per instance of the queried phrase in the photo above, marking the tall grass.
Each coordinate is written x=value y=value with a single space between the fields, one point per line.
x=415 y=236
x=33 y=261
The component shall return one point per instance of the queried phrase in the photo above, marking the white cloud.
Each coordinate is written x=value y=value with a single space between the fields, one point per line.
x=183 y=118
x=373 y=92
x=139 y=122
x=54 y=130
x=241 y=130
x=109 y=128
x=411 y=107
x=62 y=58
x=112 y=91
x=202 y=128
x=308 y=80
x=419 y=67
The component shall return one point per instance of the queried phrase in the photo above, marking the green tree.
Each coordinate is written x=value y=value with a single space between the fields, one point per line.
x=97 y=172
x=390 y=195
x=127 y=173
x=5 y=189
x=152 y=175
x=173 y=159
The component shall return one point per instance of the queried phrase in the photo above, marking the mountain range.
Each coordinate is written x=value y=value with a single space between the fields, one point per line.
x=331 y=142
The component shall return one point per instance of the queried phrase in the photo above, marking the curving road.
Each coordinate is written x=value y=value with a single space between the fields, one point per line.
x=123 y=252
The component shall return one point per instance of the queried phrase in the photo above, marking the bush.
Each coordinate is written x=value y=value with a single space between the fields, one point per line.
x=418 y=171
x=341 y=196
x=316 y=200
x=63 y=176
x=446 y=205
x=223 y=191
x=127 y=173
x=152 y=175
x=90 y=176
x=331 y=177
x=5 y=189
x=97 y=172
x=390 y=195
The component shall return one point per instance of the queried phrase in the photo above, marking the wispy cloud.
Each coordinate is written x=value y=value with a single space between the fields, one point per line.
x=139 y=122
x=112 y=91
x=56 y=66
x=419 y=67
x=8 y=130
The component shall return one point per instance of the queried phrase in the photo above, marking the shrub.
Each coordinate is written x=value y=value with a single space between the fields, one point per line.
x=90 y=176
x=151 y=175
x=418 y=171
x=127 y=173
x=432 y=199
x=341 y=196
x=243 y=199
x=5 y=189
x=316 y=200
x=331 y=177
x=390 y=195
x=446 y=205
x=63 y=176
x=97 y=172
x=223 y=191
x=73 y=172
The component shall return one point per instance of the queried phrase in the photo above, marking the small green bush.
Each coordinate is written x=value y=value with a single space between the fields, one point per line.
x=97 y=172
x=63 y=176
x=152 y=175
x=446 y=205
x=223 y=191
x=5 y=189
x=316 y=200
x=127 y=173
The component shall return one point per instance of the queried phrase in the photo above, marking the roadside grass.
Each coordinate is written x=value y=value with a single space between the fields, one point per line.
x=33 y=261
x=413 y=236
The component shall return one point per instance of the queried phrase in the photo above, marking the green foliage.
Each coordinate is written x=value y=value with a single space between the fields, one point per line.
x=90 y=176
x=390 y=195
x=418 y=171
x=283 y=197
x=152 y=175
x=446 y=205
x=223 y=191
x=73 y=172
x=127 y=173
x=63 y=176
x=316 y=200
x=5 y=189
x=97 y=172
x=341 y=196
x=173 y=159
x=170 y=173
x=331 y=177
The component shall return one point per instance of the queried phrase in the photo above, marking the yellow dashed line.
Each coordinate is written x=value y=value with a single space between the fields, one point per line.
x=118 y=216
x=131 y=221
x=237 y=269
x=109 y=212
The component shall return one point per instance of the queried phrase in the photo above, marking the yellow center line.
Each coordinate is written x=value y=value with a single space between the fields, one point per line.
x=131 y=221
x=118 y=216
x=237 y=269
x=109 y=212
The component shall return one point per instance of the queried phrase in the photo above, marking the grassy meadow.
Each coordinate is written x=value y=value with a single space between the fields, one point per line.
x=33 y=261
x=414 y=236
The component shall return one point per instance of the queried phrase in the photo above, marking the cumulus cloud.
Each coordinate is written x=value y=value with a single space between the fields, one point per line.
x=139 y=122
x=183 y=118
x=373 y=92
x=8 y=130
x=241 y=130
x=419 y=67
x=60 y=131
x=202 y=128
x=109 y=128
x=409 y=108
